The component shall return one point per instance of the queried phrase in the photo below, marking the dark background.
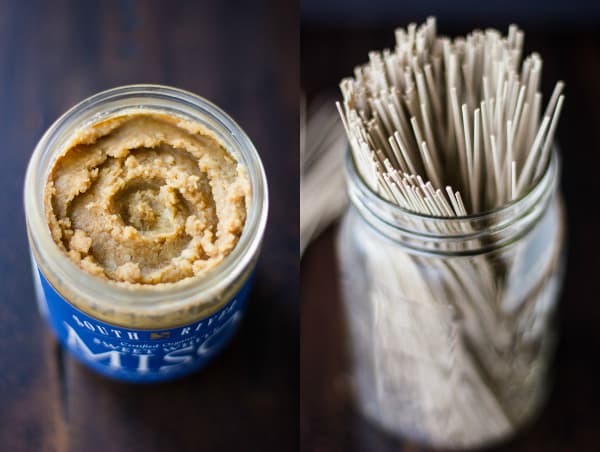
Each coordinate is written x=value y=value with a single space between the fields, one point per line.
x=244 y=57
x=335 y=37
x=556 y=13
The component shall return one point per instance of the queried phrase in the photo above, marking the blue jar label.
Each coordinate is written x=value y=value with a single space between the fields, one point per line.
x=140 y=355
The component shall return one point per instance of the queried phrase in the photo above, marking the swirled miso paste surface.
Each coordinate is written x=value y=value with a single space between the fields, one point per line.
x=146 y=198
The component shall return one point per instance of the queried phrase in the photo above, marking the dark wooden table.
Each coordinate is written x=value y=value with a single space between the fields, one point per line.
x=244 y=57
x=570 y=420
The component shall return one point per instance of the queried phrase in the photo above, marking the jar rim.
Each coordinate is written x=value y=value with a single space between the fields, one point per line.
x=145 y=98
x=353 y=174
x=379 y=211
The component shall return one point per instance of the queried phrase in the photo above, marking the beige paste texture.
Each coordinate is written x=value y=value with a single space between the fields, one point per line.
x=146 y=198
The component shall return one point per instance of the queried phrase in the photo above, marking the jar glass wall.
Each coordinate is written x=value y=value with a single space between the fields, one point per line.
x=450 y=320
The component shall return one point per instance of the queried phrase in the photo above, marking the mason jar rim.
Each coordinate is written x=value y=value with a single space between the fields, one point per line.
x=145 y=98
x=414 y=224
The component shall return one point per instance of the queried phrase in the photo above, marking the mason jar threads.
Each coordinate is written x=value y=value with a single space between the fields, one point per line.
x=143 y=254
x=450 y=319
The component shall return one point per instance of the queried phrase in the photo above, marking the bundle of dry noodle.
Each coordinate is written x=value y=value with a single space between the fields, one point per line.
x=450 y=128
x=437 y=115
x=322 y=186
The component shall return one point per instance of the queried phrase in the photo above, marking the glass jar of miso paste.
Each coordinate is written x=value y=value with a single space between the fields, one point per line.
x=146 y=208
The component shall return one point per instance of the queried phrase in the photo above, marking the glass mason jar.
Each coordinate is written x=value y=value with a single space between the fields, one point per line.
x=151 y=332
x=450 y=319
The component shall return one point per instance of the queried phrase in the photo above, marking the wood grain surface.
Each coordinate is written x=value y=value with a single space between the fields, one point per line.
x=570 y=420
x=243 y=56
